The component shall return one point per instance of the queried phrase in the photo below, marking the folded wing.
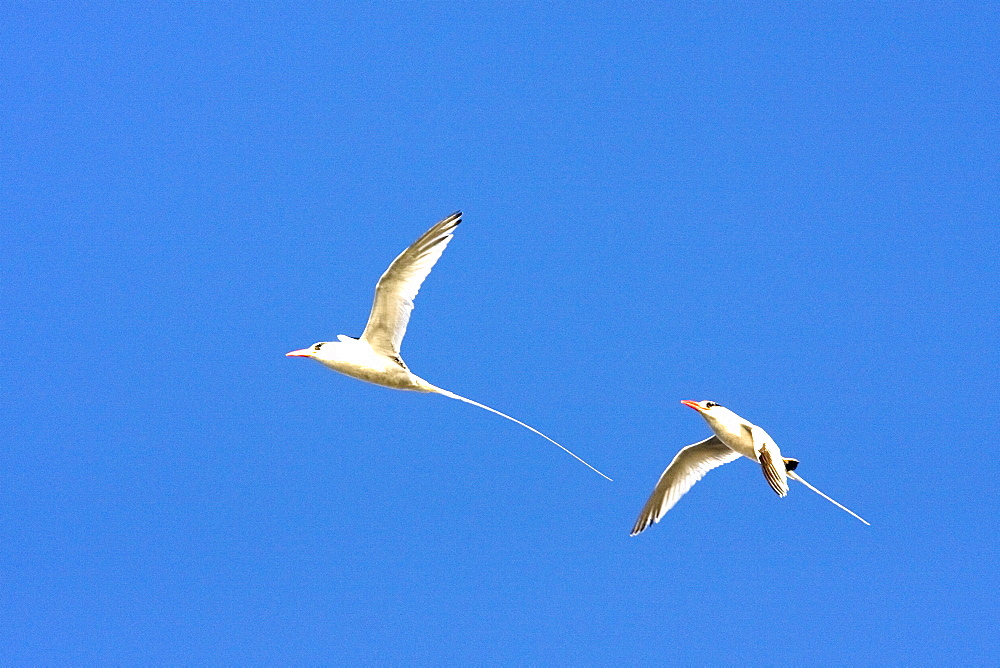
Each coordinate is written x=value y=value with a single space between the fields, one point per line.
x=688 y=467
x=400 y=283
x=770 y=460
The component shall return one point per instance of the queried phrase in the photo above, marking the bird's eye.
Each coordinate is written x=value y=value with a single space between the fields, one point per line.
x=317 y=346
x=710 y=404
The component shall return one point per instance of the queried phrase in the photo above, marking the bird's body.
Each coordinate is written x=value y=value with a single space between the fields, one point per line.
x=747 y=439
x=736 y=433
x=733 y=437
x=358 y=359
x=375 y=356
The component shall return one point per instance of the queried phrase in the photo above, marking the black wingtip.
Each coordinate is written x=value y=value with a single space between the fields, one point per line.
x=453 y=220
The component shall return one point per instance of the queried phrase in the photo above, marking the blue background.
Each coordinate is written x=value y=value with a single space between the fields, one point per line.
x=791 y=210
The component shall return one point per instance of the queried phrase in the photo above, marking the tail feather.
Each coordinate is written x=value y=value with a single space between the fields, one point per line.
x=526 y=426
x=796 y=476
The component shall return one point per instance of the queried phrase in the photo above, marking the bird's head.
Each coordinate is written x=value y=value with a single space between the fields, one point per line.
x=700 y=406
x=314 y=350
x=710 y=410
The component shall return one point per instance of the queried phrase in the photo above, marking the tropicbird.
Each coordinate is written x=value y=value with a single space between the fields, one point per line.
x=374 y=357
x=733 y=437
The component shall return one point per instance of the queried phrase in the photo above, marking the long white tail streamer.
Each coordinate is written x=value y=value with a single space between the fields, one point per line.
x=795 y=476
x=528 y=426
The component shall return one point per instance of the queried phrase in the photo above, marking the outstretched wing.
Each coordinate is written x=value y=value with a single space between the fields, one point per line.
x=400 y=283
x=688 y=467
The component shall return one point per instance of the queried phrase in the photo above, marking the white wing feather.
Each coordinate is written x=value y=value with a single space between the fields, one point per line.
x=688 y=467
x=400 y=283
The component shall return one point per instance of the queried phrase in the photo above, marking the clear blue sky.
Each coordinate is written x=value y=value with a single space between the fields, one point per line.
x=791 y=210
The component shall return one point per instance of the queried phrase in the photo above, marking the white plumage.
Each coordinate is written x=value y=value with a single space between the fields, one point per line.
x=375 y=356
x=734 y=437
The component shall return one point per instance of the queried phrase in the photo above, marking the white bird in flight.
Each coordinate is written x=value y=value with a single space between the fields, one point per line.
x=375 y=356
x=733 y=437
